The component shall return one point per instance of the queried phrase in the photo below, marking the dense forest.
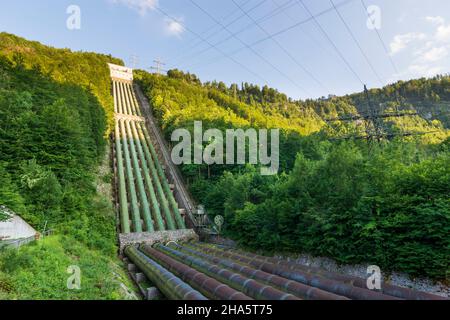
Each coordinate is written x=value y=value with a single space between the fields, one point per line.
x=386 y=204
x=54 y=111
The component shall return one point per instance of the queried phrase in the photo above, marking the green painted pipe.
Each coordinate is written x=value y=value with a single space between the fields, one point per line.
x=163 y=201
x=154 y=202
x=115 y=97
x=169 y=284
x=130 y=110
x=122 y=98
x=135 y=101
x=130 y=107
x=168 y=192
x=127 y=99
x=139 y=180
x=124 y=218
x=119 y=98
x=131 y=187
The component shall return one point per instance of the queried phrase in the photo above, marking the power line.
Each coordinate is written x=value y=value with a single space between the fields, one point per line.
x=250 y=48
x=280 y=46
x=357 y=42
x=157 y=8
x=313 y=39
x=282 y=31
x=217 y=32
x=380 y=38
x=271 y=14
x=331 y=41
x=204 y=33
x=311 y=18
x=264 y=18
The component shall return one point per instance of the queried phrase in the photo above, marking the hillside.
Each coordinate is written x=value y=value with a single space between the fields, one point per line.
x=429 y=97
x=85 y=69
x=386 y=205
x=54 y=112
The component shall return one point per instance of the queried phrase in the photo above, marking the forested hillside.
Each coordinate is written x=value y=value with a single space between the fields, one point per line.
x=386 y=205
x=53 y=123
x=429 y=97
x=85 y=69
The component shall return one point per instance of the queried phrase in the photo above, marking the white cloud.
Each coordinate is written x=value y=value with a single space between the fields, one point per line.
x=423 y=70
x=429 y=52
x=443 y=33
x=174 y=27
x=438 y=20
x=435 y=54
x=401 y=41
x=415 y=71
x=142 y=6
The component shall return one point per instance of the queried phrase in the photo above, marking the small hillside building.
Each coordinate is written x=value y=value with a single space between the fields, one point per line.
x=15 y=231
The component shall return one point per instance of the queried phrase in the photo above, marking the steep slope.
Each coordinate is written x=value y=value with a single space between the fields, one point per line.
x=145 y=201
x=85 y=69
x=53 y=126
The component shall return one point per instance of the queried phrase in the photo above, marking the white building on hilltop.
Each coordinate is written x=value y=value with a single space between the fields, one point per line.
x=120 y=72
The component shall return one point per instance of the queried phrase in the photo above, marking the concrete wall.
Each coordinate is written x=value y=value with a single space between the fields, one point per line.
x=182 y=235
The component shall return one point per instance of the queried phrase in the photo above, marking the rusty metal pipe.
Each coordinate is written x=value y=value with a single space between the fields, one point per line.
x=299 y=289
x=304 y=277
x=250 y=287
x=388 y=289
x=210 y=287
x=169 y=284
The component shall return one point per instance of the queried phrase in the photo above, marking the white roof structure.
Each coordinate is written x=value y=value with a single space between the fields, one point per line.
x=15 y=228
x=120 y=72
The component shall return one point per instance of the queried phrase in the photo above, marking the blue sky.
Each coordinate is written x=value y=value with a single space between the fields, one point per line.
x=300 y=61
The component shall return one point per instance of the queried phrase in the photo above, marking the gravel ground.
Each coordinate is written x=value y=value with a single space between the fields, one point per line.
x=395 y=278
